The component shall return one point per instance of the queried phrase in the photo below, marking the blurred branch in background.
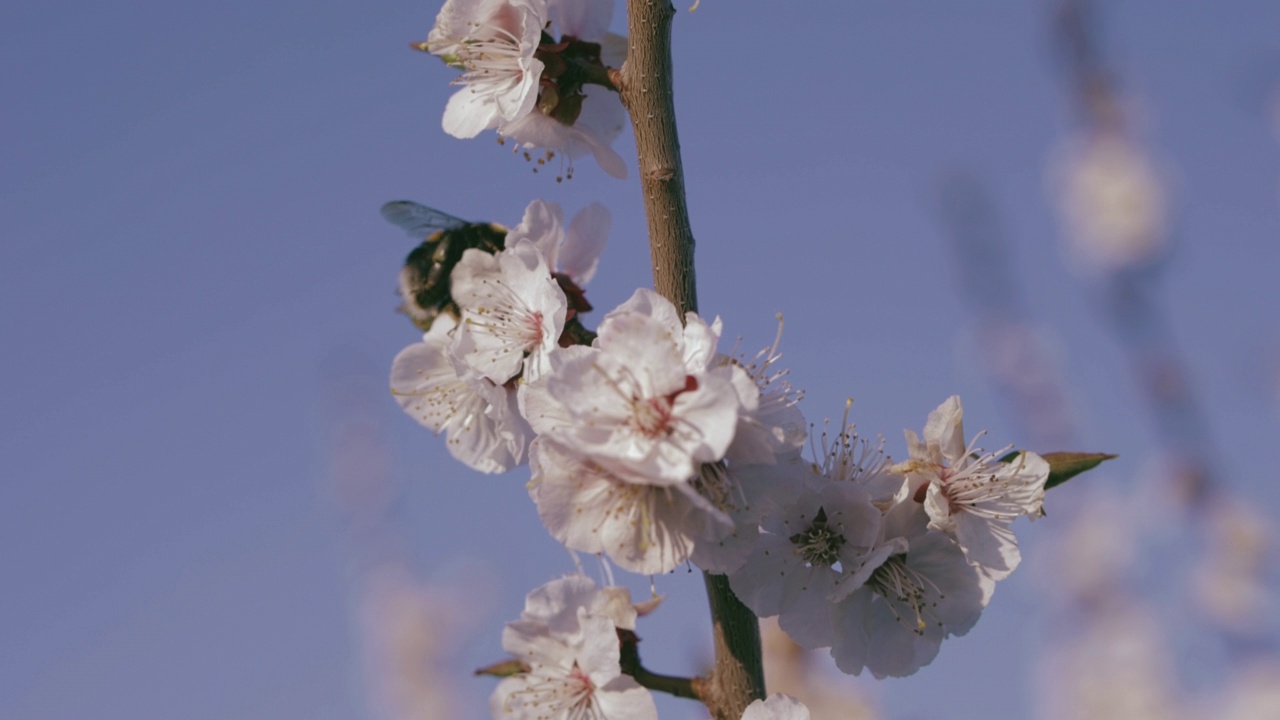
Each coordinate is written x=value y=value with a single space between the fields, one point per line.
x=1116 y=215
x=1115 y=209
x=1014 y=355
x=1116 y=650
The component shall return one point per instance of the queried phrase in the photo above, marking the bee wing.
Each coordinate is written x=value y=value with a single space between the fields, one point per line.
x=419 y=221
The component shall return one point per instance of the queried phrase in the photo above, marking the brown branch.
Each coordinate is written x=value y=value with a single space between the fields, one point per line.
x=646 y=90
x=629 y=645
x=645 y=86
x=738 y=677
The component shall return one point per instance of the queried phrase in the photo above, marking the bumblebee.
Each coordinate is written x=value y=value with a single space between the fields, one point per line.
x=424 y=279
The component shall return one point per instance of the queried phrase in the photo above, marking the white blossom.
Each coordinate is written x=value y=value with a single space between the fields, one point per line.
x=642 y=403
x=1113 y=202
x=512 y=312
x=644 y=528
x=556 y=604
x=574 y=253
x=601 y=121
x=897 y=603
x=971 y=494
x=481 y=420
x=772 y=426
x=568 y=638
x=601 y=118
x=847 y=457
x=493 y=42
x=792 y=571
x=776 y=707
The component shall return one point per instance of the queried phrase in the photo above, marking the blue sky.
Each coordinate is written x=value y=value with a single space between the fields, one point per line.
x=197 y=295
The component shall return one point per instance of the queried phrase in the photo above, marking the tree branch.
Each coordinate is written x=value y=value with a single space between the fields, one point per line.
x=645 y=86
x=646 y=90
x=670 y=684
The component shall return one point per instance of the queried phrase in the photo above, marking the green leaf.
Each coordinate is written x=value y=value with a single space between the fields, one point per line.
x=1065 y=465
x=506 y=668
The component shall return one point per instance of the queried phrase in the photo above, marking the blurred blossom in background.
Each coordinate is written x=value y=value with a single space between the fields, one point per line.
x=1112 y=202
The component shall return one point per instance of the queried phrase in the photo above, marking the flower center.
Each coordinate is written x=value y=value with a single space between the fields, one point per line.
x=572 y=694
x=819 y=545
x=653 y=417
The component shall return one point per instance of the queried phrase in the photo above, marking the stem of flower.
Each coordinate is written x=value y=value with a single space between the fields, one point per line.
x=670 y=684
x=645 y=86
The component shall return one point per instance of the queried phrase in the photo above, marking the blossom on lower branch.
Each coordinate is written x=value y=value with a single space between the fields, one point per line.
x=568 y=638
x=776 y=707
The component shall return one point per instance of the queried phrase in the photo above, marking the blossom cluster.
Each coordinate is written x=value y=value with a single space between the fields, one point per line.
x=882 y=561
x=511 y=309
x=567 y=641
x=649 y=445
x=567 y=637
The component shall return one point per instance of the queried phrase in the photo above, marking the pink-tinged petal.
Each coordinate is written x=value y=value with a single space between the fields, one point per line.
x=494 y=442
x=647 y=529
x=850 y=512
x=856 y=576
x=646 y=344
x=895 y=652
x=916 y=449
x=556 y=603
x=547 y=414
x=652 y=305
x=808 y=620
x=606 y=157
x=511 y=307
x=649 y=534
x=938 y=508
x=600 y=122
x=713 y=409
x=469 y=113
x=761 y=583
x=583 y=244
x=543 y=226
x=851 y=643
x=493 y=43
x=623 y=699
x=945 y=429
x=990 y=545
x=700 y=341
x=962 y=591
